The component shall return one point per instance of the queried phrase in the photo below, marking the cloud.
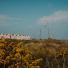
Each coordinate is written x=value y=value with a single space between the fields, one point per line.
x=56 y=17
x=5 y=19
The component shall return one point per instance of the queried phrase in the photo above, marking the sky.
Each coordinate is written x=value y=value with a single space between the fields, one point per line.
x=35 y=18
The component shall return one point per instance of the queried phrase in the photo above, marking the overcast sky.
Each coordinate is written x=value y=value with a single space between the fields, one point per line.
x=29 y=16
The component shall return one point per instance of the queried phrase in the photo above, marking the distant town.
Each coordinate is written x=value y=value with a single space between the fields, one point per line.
x=15 y=36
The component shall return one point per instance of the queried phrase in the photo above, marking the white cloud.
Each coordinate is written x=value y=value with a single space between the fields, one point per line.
x=56 y=17
x=5 y=19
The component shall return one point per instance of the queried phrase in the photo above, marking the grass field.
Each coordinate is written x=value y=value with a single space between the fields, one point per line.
x=49 y=53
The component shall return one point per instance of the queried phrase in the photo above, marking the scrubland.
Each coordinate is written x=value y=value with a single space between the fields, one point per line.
x=49 y=53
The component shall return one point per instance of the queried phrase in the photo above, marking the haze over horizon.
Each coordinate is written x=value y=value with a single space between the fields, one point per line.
x=29 y=16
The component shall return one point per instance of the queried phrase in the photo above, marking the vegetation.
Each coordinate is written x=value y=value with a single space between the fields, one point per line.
x=33 y=53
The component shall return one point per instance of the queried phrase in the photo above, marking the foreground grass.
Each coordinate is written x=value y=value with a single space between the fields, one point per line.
x=33 y=53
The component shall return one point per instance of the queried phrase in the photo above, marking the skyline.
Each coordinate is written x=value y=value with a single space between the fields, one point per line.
x=29 y=16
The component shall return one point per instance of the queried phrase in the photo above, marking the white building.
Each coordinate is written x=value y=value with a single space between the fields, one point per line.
x=14 y=36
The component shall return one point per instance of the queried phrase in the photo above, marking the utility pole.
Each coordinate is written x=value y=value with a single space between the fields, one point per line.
x=48 y=32
x=40 y=34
